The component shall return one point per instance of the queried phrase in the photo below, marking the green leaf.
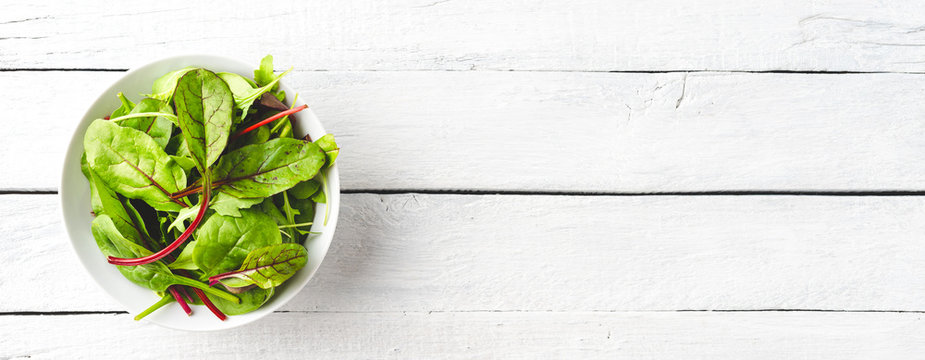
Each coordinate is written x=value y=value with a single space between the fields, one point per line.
x=330 y=148
x=228 y=205
x=270 y=266
x=185 y=162
x=157 y=127
x=164 y=86
x=290 y=217
x=261 y=170
x=155 y=276
x=204 y=111
x=264 y=74
x=306 y=208
x=127 y=106
x=244 y=93
x=185 y=259
x=251 y=300
x=305 y=189
x=133 y=164
x=223 y=242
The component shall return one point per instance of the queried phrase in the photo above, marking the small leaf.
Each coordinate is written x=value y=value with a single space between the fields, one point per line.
x=124 y=109
x=330 y=148
x=244 y=93
x=164 y=86
x=264 y=74
x=157 y=127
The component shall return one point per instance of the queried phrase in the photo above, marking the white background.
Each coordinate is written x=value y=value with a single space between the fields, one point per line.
x=525 y=179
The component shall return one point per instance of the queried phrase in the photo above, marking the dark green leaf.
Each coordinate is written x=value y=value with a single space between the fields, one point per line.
x=305 y=189
x=204 y=110
x=261 y=170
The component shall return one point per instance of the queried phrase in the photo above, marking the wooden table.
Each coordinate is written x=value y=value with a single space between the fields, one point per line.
x=525 y=179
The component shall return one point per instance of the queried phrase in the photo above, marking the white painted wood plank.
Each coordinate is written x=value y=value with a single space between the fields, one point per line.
x=854 y=35
x=558 y=253
x=611 y=132
x=669 y=335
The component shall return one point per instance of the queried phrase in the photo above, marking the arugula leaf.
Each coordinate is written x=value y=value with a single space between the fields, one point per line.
x=261 y=170
x=223 y=242
x=133 y=164
x=267 y=267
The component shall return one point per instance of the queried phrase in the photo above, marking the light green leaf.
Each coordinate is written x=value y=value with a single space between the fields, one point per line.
x=270 y=266
x=165 y=85
x=133 y=164
x=223 y=242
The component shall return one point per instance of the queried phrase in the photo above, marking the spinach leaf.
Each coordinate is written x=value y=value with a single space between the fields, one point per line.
x=132 y=164
x=261 y=170
x=266 y=267
x=155 y=275
x=305 y=189
x=157 y=127
x=251 y=300
x=223 y=242
x=165 y=85
x=185 y=260
x=104 y=201
x=204 y=110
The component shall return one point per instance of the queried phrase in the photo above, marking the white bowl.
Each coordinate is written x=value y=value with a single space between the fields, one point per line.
x=75 y=203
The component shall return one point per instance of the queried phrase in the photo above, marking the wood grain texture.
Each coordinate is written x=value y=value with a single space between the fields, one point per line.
x=534 y=131
x=554 y=253
x=481 y=335
x=853 y=35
